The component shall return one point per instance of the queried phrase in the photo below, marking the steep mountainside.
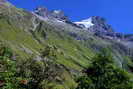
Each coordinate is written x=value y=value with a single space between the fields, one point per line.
x=72 y=45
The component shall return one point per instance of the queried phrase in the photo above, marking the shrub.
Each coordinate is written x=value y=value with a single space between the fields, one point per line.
x=103 y=74
x=8 y=79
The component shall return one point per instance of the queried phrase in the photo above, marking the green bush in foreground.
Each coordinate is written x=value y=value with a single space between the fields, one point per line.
x=27 y=74
x=102 y=74
x=8 y=80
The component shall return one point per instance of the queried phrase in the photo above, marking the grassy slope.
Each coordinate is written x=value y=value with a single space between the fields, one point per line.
x=70 y=53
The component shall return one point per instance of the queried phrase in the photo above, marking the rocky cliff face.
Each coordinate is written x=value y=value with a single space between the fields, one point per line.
x=95 y=25
x=55 y=14
x=42 y=11
x=99 y=27
x=59 y=15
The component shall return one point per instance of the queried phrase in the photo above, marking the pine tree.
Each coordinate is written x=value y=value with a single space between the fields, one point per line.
x=103 y=74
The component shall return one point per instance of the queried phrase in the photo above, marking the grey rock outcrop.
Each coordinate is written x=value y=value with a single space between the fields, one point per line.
x=55 y=14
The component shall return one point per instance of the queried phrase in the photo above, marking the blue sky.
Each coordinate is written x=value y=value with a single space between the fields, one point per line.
x=118 y=13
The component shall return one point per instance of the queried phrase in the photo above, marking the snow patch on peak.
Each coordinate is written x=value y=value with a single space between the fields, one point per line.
x=57 y=11
x=87 y=23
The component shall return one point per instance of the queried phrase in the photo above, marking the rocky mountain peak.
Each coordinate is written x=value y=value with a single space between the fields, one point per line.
x=98 y=20
x=59 y=15
x=95 y=23
x=100 y=24
x=42 y=11
x=101 y=27
x=55 y=14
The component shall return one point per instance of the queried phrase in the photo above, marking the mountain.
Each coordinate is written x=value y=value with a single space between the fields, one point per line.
x=87 y=23
x=71 y=45
x=55 y=14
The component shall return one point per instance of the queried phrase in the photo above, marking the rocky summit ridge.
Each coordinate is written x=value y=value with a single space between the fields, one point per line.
x=95 y=24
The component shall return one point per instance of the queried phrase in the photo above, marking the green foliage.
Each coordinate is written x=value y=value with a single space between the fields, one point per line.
x=39 y=74
x=30 y=73
x=102 y=74
x=84 y=82
x=48 y=51
x=8 y=80
x=34 y=71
